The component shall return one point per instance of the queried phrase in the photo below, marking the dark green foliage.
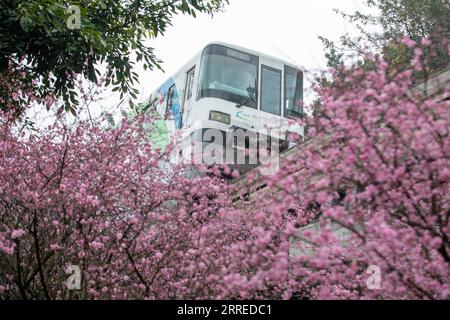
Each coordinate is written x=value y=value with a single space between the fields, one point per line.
x=35 y=38
x=382 y=33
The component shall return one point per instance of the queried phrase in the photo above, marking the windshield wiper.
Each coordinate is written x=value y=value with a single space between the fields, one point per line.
x=240 y=104
x=249 y=96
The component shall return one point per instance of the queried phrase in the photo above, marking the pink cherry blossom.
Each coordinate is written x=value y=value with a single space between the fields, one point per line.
x=16 y=234
x=368 y=189
x=408 y=42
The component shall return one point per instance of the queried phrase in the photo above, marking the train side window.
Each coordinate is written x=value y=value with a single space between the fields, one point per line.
x=271 y=90
x=169 y=105
x=189 y=84
x=293 y=93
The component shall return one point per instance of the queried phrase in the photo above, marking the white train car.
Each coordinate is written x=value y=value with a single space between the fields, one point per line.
x=226 y=88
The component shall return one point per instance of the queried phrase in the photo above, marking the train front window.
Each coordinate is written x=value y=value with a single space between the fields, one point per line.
x=230 y=75
x=293 y=93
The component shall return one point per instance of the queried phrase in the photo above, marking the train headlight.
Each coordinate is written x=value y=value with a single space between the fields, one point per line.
x=220 y=117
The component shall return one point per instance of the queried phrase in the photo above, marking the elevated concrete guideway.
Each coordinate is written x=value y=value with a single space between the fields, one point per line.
x=437 y=86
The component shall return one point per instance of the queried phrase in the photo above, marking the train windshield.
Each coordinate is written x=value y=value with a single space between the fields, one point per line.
x=230 y=75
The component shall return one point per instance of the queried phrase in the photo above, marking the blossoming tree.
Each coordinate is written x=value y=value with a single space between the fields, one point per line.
x=92 y=213
x=376 y=179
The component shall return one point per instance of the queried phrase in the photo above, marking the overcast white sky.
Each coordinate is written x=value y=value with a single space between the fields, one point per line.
x=284 y=28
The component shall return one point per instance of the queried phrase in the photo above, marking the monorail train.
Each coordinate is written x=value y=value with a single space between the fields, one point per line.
x=225 y=87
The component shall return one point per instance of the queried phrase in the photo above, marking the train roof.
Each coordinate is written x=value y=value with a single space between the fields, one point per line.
x=253 y=52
